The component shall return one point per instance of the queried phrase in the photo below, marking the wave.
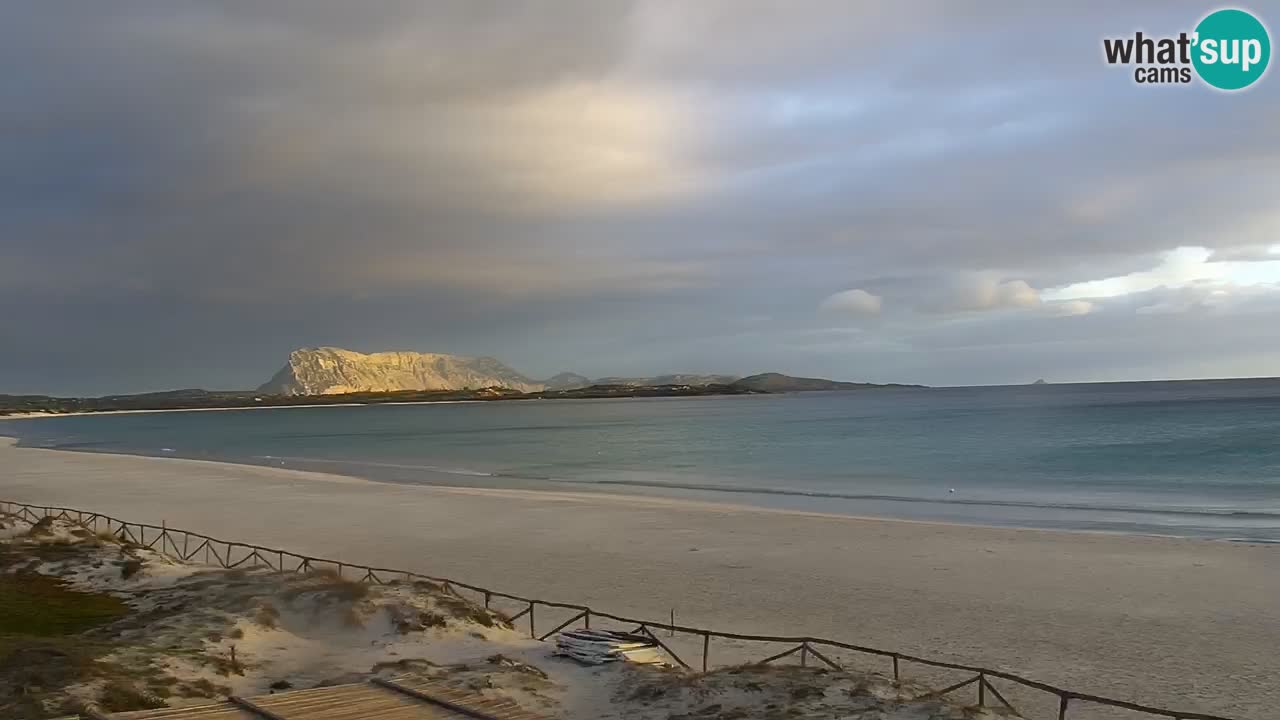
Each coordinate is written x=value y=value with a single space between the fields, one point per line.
x=370 y=463
x=1232 y=513
x=1086 y=507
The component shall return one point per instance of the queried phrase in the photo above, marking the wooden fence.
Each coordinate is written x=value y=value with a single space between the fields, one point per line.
x=191 y=546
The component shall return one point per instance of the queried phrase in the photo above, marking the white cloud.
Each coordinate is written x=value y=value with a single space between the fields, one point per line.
x=855 y=302
x=1251 y=253
x=1068 y=308
x=979 y=292
x=1221 y=299
x=1180 y=268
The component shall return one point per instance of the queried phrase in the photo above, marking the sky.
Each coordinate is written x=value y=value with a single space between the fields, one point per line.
x=929 y=192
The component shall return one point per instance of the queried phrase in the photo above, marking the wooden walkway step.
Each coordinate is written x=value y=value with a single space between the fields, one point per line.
x=401 y=698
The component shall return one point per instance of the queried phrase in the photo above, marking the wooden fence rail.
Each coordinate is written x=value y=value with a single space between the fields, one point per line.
x=225 y=554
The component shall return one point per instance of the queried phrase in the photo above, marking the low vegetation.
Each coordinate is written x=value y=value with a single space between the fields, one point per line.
x=90 y=619
x=38 y=605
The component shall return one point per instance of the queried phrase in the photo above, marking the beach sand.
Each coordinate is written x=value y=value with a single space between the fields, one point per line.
x=1188 y=624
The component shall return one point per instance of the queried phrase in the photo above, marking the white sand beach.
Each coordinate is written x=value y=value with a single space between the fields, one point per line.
x=1188 y=624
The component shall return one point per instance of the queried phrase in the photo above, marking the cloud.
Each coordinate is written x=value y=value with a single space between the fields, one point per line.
x=1252 y=253
x=1070 y=307
x=1221 y=299
x=1181 y=267
x=979 y=293
x=552 y=183
x=852 y=303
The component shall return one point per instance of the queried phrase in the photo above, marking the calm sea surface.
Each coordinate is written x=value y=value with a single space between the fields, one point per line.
x=1176 y=458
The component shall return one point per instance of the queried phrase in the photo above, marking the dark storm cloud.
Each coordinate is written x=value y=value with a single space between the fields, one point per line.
x=191 y=189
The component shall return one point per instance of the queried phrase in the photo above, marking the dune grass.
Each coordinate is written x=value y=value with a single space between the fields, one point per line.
x=41 y=646
x=43 y=606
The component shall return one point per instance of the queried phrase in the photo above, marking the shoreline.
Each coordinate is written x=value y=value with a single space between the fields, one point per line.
x=637 y=394
x=696 y=495
x=37 y=415
x=1100 y=613
x=8 y=441
x=624 y=498
x=82 y=413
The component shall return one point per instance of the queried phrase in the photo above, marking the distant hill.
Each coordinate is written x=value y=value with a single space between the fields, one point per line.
x=673 y=379
x=168 y=399
x=778 y=383
x=183 y=395
x=334 y=371
x=329 y=375
x=200 y=399
x=567 y=381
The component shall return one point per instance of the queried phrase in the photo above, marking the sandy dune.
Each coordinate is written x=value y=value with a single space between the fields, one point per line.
x=1182 y=623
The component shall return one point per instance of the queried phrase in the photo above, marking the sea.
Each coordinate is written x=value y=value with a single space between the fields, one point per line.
x=1188 y=458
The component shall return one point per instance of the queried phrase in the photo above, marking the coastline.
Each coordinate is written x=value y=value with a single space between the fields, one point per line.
x=448 y=480
x=39 y=415
x=947 y=510
x=623 y=499
x=362 y=399
x=1101 y=613
x=563 y=491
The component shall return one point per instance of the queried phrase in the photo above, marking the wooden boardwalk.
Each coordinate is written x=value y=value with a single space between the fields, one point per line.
x=402 y=698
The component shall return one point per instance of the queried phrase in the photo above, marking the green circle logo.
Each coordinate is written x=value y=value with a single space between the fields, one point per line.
x=1232 y=49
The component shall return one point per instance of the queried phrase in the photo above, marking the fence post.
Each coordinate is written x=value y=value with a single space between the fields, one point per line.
x=804 y=655
x=706 y=649
x=164 y=537
x=586 y=618
x=896 y=676
x=1062 y=707
x=532 y=632
x=982 y=689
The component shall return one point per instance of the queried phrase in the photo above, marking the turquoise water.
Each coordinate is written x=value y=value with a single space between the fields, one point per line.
x=1178 y=458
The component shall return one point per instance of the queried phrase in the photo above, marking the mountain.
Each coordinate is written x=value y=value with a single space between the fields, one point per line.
x=194 y=395
x=777 y=383
x=574 y=381
x=333 y=371
x=328 y=371
x=567 y=381
x=674 y=379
